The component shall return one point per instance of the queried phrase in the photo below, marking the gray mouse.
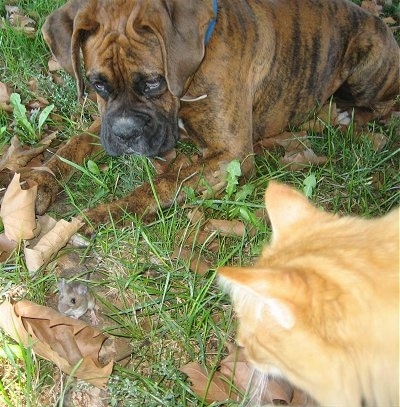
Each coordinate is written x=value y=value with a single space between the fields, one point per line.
x=75 y=299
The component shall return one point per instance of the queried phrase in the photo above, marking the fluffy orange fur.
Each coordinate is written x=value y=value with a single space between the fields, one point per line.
x=321 y=305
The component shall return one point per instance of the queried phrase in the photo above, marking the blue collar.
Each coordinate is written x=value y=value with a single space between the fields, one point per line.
x=211 y=25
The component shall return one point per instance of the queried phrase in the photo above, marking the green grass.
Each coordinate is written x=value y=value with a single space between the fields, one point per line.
x=170 y=315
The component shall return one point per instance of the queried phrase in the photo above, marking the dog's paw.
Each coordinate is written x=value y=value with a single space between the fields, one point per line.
x=47 y=188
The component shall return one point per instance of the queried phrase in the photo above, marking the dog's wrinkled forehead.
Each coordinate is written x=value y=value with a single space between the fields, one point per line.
x=118 y=56
x=130 y=27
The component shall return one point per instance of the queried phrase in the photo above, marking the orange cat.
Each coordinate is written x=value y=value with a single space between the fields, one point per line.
x=321 y=305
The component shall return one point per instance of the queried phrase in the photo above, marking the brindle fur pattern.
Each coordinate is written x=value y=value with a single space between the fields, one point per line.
x=268 y=65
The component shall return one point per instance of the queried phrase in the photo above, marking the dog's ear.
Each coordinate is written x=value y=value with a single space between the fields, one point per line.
x=62 y=32
x=180 y=26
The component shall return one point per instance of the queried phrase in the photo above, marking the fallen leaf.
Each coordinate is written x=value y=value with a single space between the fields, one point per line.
x=209 y=388
x=50 y=244
x=197 y=263
x=32 y=85
x=378 y=140
x=38 y=103
x=238 y=369
x=287 y=140
x=300 y=159
x=16 y=156
x=67 y=342
x=389 y=20
x=44 y=225
x=20 y=21
x=231 y=228
x=195 y=215
x=5 y=98
x=372 y=7
x=7 y=246
x=236 y=366
x=328 y=114
x=53 y=64
x=194 y=236
x=18 y=211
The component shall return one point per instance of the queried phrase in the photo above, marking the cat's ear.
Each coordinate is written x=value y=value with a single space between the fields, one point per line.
x=286 y=206
x=262 y=289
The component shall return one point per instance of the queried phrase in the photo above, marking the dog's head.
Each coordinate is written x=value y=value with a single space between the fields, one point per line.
x=139 y=56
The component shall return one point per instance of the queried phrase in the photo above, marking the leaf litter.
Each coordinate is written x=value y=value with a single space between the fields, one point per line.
x=71 y=344
x=20 y=21
x=236 y=380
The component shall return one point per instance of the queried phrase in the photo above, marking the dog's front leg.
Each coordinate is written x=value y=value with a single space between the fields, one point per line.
x=48 y=181
x=146 y=200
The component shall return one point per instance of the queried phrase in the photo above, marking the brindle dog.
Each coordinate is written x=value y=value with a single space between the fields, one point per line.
x=256 y=67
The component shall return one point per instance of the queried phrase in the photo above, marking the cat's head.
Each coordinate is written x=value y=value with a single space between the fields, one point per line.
x=270 y=296
x=293 y=321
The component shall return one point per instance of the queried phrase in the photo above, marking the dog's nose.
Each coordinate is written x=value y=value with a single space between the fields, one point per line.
x=126 y=127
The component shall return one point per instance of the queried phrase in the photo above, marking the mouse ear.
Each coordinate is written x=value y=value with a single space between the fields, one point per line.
x=61 y=285
x=81 y=289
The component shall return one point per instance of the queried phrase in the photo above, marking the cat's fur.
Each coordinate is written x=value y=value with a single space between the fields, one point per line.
x=321 y=305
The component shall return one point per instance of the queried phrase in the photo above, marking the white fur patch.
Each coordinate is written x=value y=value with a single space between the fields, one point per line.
x=243 y=296
x=344 y=118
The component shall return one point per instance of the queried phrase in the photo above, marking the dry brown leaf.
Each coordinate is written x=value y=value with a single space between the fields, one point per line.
x=63 y=340
x=44 y=224
x=210 y=389
x=20 y=21
x=16 y=156
x=236 y=366
x=378 y=140
x=5 y=98
x=288 y=140
x=236 y=378
x=53 y=64
x=18 y=211
x=195 y=215
x=226 y=227
x=33 y=85
x=295 y=141
x=300 y=159
x=197 y=263
x=191 y=237
x=7 y=246
x=371 y=6
x=238 y=370
x=389 y=20
x=328 y=114
x=50 y=244
x=38 y=103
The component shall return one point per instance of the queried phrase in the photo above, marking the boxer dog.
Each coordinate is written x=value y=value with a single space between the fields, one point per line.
x=230 y=71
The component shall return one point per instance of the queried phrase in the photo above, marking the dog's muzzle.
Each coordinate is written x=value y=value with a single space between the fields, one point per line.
x=138 y=132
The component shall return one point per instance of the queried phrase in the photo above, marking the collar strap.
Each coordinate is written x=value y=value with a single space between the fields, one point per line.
x=211 y=24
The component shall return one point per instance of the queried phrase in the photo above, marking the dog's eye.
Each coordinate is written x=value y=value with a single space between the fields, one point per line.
x=150 y=86
x=154 y=86
x=99 y=87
